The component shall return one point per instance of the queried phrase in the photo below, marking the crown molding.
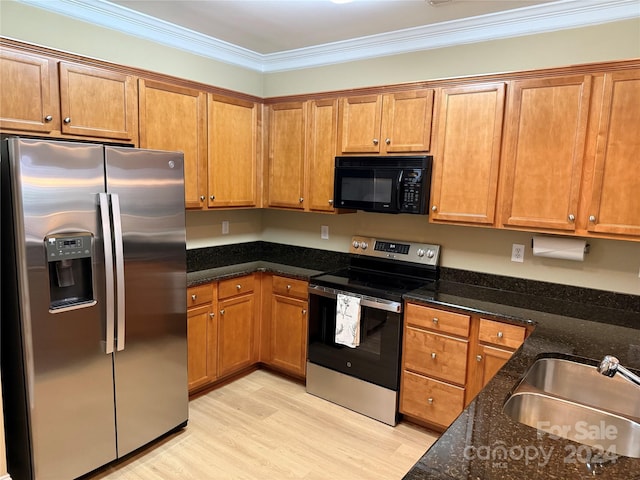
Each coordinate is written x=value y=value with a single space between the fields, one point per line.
x=513 y=23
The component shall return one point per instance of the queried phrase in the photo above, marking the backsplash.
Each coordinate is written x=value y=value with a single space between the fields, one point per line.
x=327 y=260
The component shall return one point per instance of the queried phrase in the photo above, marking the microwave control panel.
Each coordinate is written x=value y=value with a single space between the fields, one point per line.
x=411 y=193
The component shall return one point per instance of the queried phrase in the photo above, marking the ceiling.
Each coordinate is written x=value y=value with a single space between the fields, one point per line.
x=268 y=35
x=275 y=26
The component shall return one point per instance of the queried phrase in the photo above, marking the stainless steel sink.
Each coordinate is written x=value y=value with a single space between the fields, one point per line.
x=572 y=400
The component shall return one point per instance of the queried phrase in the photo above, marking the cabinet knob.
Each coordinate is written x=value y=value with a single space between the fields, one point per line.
x=433 y=355
x=67 y=120
x=193 y=297
x=304 y=312
x=288 y=287
x=330 y=202
x=572 y=217
x=48 y=118
x=387 y=141
x=500 y=334
x=434 y=208
x=592 y=218
x=301 y=199
x=478 y=358
x=211 y=315
x=238 y=286
x=376 y=141
x=435 y=320
x=222 y=312
x=202 y=198
x=212 y=197
x=430 y=401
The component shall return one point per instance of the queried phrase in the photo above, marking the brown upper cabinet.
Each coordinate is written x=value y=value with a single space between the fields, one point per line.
x=76 y=100
x=175 y=118
x=302 y=149
x=467 y=154
x=386 y=124
x=232 y=167
x=615 y=200
x=543 y=153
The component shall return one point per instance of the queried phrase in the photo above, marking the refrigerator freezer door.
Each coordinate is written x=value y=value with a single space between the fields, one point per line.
x=67 y=374
x=151 y=370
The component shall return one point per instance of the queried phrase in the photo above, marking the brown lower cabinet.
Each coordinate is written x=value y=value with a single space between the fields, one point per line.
x=447 y=358
x=202 y=335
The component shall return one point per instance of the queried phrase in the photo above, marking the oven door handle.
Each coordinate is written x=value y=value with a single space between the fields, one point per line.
x=365 y=300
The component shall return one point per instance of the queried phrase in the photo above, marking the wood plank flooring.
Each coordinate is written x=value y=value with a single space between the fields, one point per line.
x=264 y=426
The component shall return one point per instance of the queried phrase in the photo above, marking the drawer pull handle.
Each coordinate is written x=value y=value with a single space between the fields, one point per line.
x=238 y=286
x=430 y=401
x=288 y=287
x=500 y=334
x=435 y=320
x=193 y=297
x=433 y=355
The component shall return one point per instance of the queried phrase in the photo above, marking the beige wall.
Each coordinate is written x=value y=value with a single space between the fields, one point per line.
x=611 y=265
x=611 y=41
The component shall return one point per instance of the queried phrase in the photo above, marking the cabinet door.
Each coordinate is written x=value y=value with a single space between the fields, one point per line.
x=235 y=334
x=199 y=322
x=544 y=148
x=286 y=154
x=429 y=399
x=232 y=161
x=321 y=153
x=467 y=154
x=406 y=121
x=97 y=103
x=615 y=203
x=360 y=122
x=492 y=359
x=26 y=96
x=174 y=118
x=289 y=334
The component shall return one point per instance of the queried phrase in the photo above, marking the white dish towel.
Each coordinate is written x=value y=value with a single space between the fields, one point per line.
x=348 y=320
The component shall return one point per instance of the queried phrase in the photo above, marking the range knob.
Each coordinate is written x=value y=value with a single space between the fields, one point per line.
x=364 y=245
x=430 y=253
x=420 y=252
x=356 y=244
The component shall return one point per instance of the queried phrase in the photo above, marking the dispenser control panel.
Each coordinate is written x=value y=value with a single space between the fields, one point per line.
x=68 y=247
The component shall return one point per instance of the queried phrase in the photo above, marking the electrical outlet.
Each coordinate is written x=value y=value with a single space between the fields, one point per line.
x=517 y=253
x=225 y=227
x=324 y=232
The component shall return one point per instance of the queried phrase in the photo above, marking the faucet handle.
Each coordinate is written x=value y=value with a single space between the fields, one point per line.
x=608 y=366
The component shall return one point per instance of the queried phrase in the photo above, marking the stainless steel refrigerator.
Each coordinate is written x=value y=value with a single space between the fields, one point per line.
x=93 y=327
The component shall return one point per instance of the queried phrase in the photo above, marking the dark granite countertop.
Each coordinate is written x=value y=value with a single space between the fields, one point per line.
x=470 y=448
x=230 y=271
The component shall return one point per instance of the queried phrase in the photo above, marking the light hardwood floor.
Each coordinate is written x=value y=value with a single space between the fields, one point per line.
x=264 y=426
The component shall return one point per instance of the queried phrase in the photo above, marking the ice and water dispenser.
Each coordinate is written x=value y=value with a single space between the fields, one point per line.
x=70 y=272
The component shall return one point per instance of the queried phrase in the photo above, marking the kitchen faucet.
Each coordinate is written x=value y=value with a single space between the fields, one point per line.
x=610 y=365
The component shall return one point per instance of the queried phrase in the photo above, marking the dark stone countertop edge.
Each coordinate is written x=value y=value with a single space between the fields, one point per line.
x=232 y=271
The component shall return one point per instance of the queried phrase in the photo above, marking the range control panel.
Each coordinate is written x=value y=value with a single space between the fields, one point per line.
x=422 y=253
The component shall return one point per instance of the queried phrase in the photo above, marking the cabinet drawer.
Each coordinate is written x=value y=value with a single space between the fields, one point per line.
x=436 y=355
x=199 y=295
x=290 y=287
x=503 y=334
x=430 y=400
x=438 y=320
x=235 y=286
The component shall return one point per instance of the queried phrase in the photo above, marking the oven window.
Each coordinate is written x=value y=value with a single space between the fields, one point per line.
x=376 y=359
x=376 y=190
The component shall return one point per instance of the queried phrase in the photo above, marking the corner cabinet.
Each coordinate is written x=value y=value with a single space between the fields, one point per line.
x=384 y=124
x=232 y=166
x=175 y=118
x=615 y=202
x=543 y=154
x=467 y=154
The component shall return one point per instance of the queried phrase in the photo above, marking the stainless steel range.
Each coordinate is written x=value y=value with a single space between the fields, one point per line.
x=355 y=323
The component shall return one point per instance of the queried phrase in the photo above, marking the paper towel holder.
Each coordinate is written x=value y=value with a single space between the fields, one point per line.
x=558 y=247
x=587 y=246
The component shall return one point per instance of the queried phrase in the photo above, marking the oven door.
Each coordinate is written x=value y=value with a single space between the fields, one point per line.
x=367 y=188
x=377 y=358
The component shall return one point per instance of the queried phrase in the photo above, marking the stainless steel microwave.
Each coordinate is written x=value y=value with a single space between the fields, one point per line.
x=387 y=184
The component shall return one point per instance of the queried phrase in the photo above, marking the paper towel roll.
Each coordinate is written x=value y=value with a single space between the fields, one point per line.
x=559 y=247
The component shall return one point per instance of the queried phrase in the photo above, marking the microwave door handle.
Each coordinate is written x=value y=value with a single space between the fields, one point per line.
x=399 y=191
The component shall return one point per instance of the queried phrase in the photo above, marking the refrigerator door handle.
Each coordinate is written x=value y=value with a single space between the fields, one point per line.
x=119 y=255
x=103 y=201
